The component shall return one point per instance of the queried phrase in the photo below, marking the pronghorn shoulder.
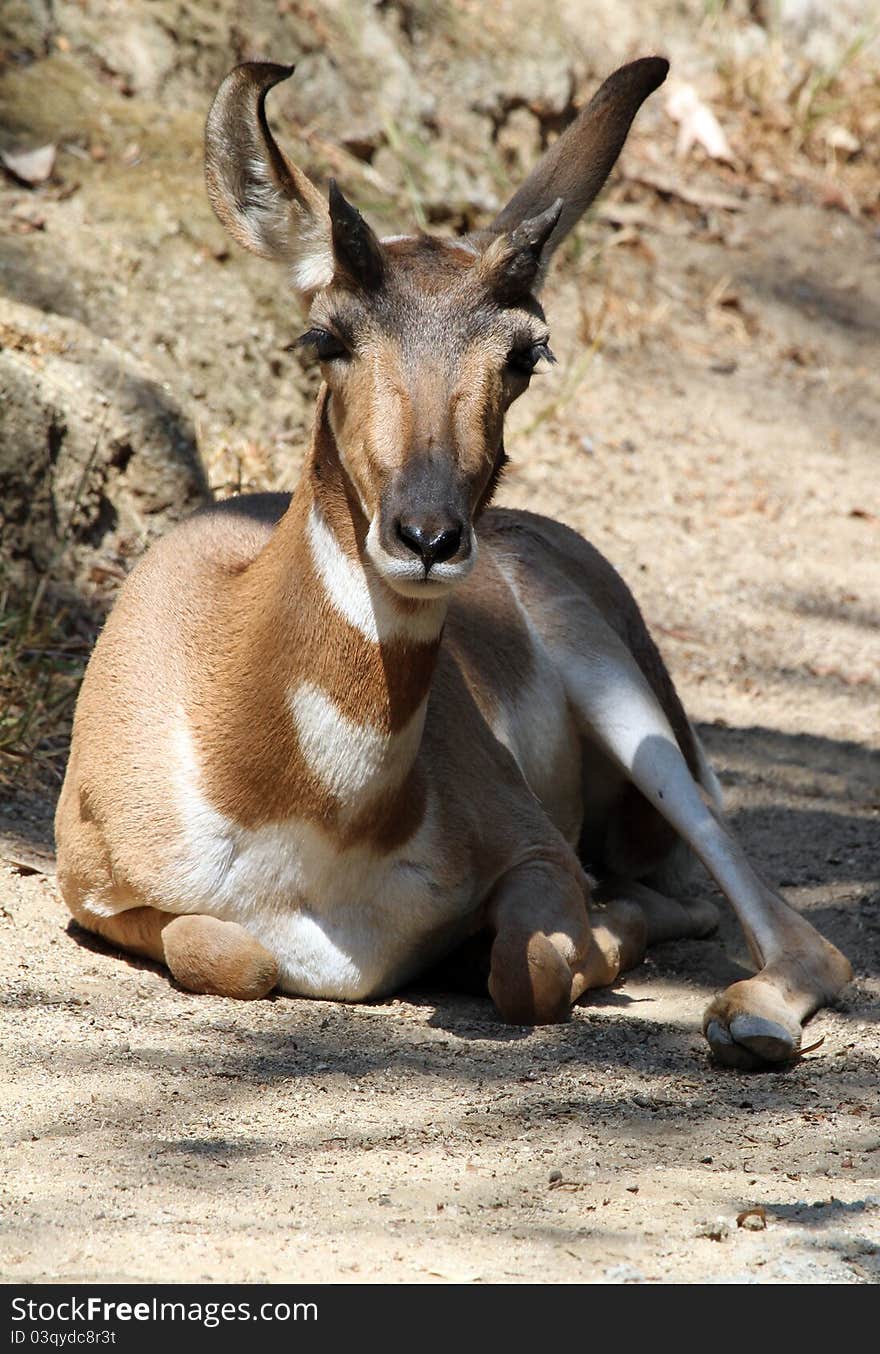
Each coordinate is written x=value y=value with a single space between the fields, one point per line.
x=235 y=528
x=202 y=552
x=555 y=571
x=545 y=560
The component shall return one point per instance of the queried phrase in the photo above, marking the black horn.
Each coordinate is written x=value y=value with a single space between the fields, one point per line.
x=356 y=248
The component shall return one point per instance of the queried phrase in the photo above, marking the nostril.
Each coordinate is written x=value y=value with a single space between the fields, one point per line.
x=412 y=536
x=444 y=545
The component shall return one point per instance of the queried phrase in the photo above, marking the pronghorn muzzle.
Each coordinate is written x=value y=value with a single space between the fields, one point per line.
x=423 y=533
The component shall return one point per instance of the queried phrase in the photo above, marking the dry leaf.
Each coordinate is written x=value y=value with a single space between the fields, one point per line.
x=30 y=166
x=812 y=1047
x=697 y=125
x=25 y=223
x=695 y=197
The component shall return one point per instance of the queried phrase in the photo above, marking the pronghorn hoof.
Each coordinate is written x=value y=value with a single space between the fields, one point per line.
x=750 y=1026
x=751 y=1042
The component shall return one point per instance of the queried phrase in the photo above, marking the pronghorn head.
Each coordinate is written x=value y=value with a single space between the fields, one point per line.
x=424 y=343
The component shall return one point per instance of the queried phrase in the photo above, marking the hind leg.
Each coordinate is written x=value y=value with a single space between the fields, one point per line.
x=203 y=954
x=646 y=864
x=757 y=1022
x=665 y=918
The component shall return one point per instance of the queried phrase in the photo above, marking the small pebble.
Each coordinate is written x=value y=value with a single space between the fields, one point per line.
x=716 y=1229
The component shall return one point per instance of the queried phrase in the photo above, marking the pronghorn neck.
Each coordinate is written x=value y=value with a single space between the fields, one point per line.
x=336 y=529
x=316 y=707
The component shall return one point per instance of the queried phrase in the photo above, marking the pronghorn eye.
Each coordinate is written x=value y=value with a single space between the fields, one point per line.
x=524 y=360
x=326 y=345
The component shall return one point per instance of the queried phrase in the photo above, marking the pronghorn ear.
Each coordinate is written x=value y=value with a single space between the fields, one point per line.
x=266 y=203
x=578 y=163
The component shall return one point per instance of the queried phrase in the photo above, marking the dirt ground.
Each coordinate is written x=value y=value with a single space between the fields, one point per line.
x=712 y=427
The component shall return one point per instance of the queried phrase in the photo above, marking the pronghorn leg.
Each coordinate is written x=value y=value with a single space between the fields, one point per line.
x=204 y=954
x=545 y=953
x=207 y=955
x=629 y=917
x=757 y=1021
x=665 y=918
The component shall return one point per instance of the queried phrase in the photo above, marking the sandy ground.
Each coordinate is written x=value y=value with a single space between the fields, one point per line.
x=720 y=446
x=151 y=1135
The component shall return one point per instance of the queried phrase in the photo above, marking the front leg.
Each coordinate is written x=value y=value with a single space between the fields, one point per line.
x=545 y=953
x=203 y=954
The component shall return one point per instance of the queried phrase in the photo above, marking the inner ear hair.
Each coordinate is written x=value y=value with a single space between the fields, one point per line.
x=266 y=203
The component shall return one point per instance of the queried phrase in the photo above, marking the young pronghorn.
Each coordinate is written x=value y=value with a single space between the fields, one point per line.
x=322 y=740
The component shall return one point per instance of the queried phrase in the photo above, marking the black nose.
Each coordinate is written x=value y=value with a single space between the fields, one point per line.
x=432 y=542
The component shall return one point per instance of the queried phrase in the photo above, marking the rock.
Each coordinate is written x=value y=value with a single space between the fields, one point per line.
x=715 y=1229
x=624 y=1273
x=97 y=457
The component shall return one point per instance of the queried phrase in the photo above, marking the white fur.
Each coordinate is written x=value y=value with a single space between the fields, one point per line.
x=620 y=711
x=281 y=228
x=342 y=924
x=458 y=244
x=361 y=597
x=407 y=576
x=312 y=269
x=354 y=761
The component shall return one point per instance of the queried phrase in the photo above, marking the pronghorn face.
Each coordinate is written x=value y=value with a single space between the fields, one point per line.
x=421 y=367
x=423 y=343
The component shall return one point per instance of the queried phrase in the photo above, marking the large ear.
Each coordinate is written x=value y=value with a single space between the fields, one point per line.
x=578 y=163
x=266 y=203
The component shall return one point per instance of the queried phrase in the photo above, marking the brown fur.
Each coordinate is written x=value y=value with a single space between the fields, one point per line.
x=252 y=759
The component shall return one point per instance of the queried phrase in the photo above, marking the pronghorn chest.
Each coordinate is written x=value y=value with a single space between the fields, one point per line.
x=548 y=751
x=537 y=728
x=344 y=922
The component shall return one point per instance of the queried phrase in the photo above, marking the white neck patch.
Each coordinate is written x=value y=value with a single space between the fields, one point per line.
x=358 y=594
x=354 y=761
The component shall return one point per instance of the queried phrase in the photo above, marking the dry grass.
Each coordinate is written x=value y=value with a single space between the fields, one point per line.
x=42 y=660
x=799 y=123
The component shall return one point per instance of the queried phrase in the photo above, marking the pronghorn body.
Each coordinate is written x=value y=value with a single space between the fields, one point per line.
x=307 y=809
x=323 y=740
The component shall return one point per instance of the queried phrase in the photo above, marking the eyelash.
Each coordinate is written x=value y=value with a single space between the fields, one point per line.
x=524 y=360
x=326 y=345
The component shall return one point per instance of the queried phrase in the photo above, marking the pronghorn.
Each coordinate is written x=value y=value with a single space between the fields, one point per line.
x=323 y=740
